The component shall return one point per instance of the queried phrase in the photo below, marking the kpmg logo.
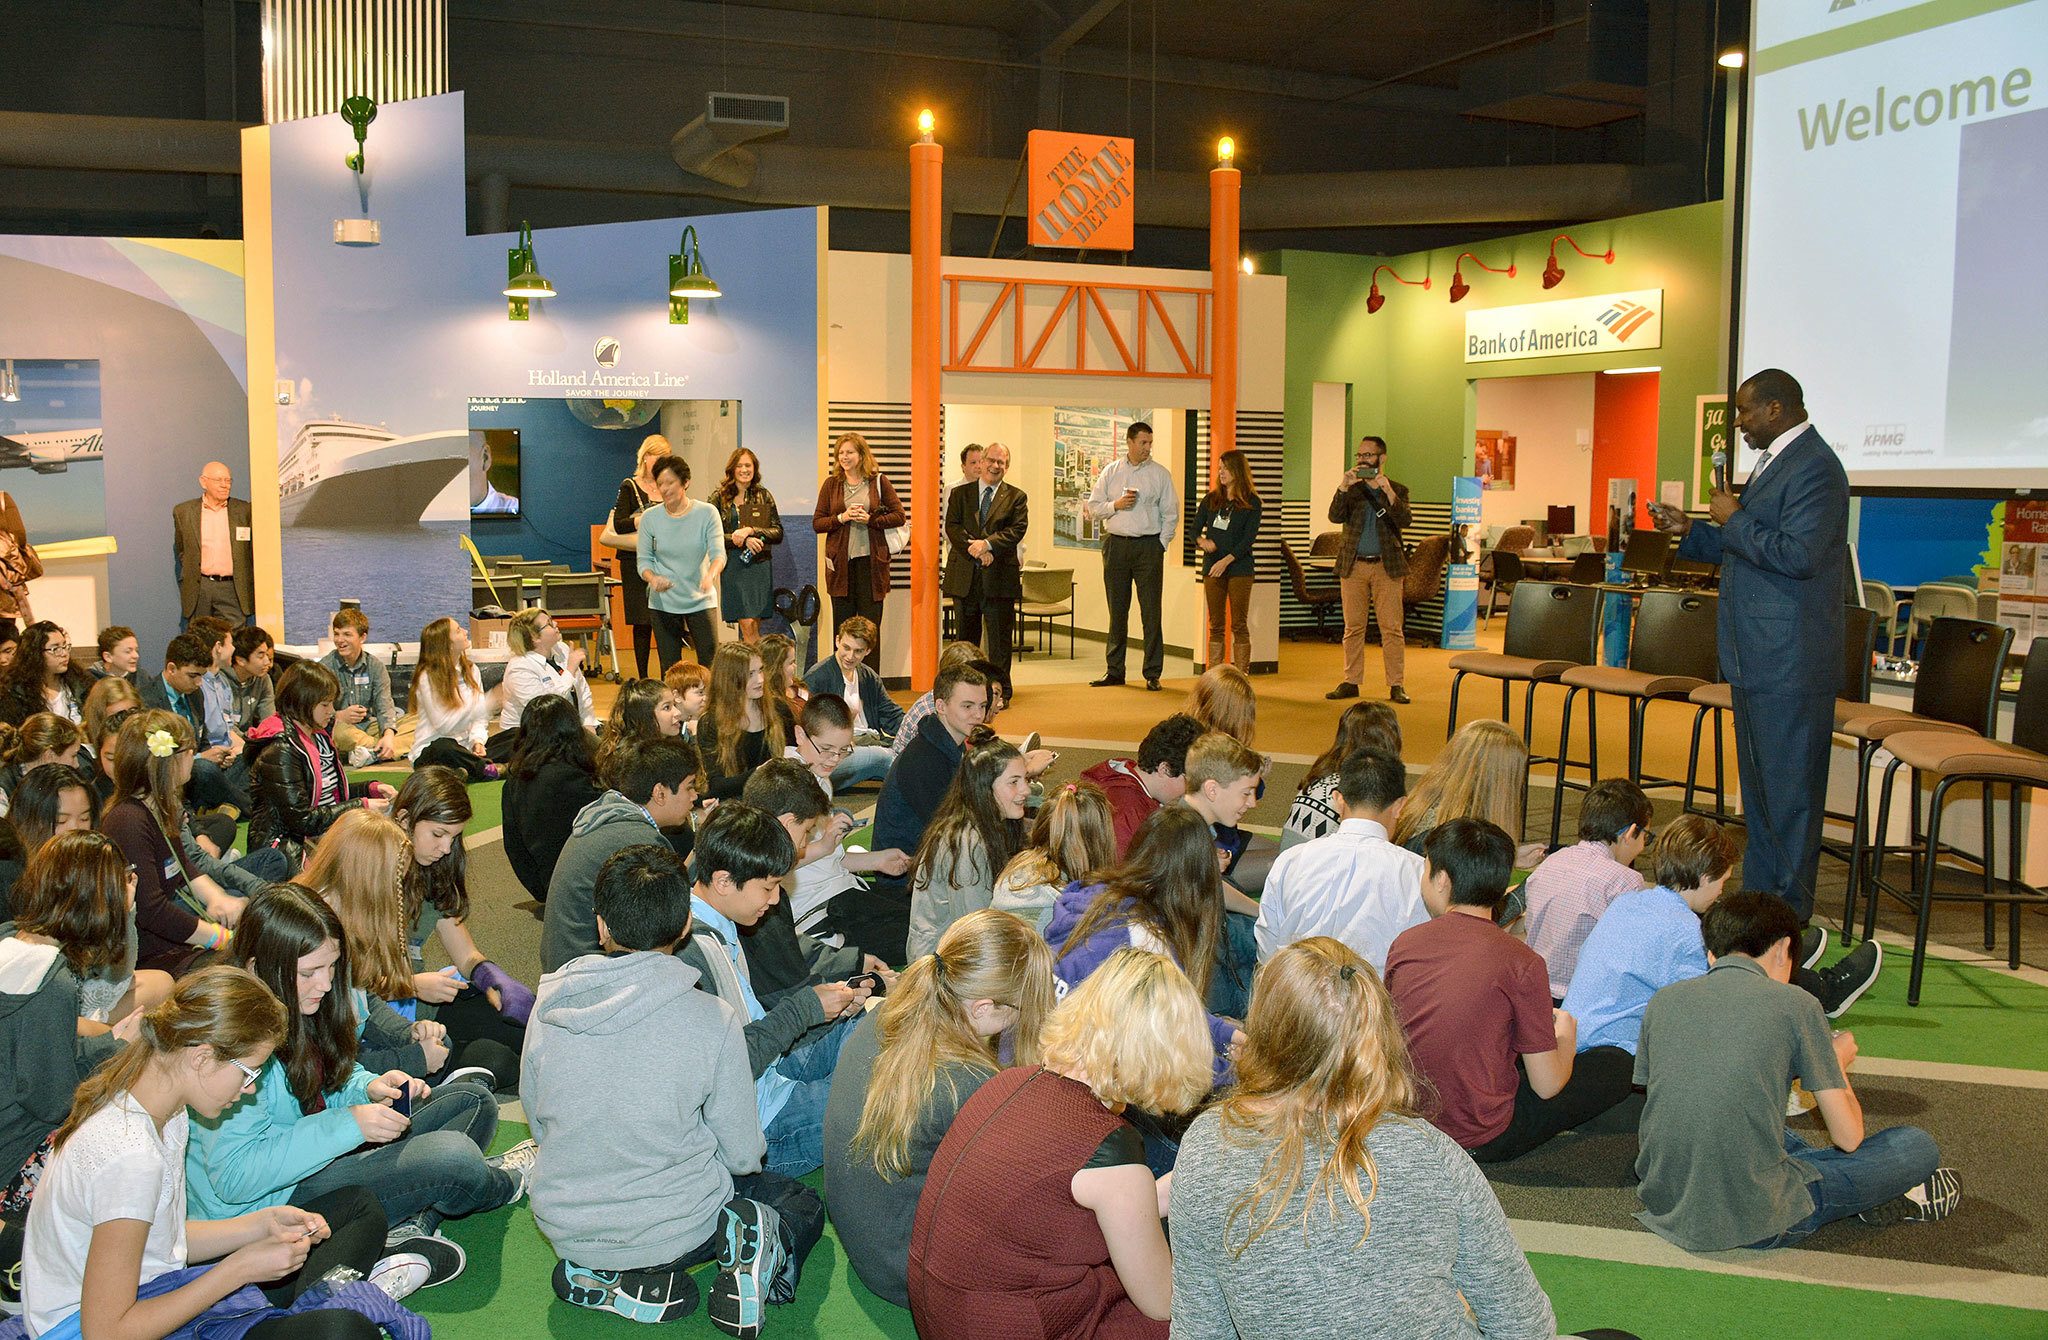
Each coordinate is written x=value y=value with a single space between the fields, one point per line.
x=607 y=351
x=1625 y=318
x=1883 y=435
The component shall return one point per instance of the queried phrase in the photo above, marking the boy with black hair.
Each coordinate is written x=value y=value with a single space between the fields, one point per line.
x=1475 y=1004
x=188 y=659
x=687 y=1156
x=823 y=740
x=654 y=787
x=246 y=678
x=1574 y=885
x=780 y=958
x=741 y=858
x=1156 y=777
x=1717 y=1167
x=1351 y=884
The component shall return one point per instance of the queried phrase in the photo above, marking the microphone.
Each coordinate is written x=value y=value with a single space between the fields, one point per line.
x=1721 y=470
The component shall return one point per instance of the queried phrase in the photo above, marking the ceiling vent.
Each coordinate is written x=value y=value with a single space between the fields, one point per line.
x=712 y=146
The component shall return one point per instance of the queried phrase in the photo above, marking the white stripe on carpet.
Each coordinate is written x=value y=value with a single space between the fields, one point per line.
x=1950 y=1072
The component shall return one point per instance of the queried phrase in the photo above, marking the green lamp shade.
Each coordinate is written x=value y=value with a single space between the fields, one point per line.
x=689 y=281
x=529 y=283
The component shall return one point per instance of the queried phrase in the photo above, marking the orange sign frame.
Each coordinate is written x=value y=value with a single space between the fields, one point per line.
x=1082 y=190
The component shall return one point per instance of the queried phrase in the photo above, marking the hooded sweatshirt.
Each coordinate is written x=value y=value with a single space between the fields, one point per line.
x=625 y=1185
x=609 y=824
x=42 y=1058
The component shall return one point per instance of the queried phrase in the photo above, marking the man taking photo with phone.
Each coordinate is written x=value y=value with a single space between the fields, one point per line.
x=1371 y=565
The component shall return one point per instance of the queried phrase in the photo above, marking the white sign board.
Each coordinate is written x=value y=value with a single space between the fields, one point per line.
x=1609 y=323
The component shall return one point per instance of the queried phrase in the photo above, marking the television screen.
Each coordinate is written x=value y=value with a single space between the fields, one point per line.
x=493 y=472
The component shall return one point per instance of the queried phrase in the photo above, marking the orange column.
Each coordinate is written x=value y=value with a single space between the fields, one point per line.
x=1224 y=184
x=926 y=163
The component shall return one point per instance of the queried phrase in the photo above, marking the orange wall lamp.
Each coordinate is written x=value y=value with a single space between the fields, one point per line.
x=1375 y=299
x=1553 y=273
x=1459 y=288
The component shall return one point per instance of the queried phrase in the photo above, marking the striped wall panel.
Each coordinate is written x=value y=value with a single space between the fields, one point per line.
x=318 y=52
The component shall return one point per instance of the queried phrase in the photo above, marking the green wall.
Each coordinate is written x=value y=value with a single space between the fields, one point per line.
x=1410 y=383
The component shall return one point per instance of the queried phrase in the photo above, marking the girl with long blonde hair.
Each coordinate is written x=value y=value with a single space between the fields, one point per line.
x=1073 y=833
x=743 y=725
x=911 y=1065
x=1317 y=1168
x=637 y=493
x=1223 y=700
x=1479 y=775
x=454 y=711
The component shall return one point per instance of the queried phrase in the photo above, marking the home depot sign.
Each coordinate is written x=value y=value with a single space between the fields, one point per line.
x=1081 y=192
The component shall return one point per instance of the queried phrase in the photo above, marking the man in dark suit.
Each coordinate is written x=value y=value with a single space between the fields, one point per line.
x=214 y=550
x=1782 y=547
x=985 y=522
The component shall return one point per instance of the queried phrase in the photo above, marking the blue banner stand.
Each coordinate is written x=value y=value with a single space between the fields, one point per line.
x=1461 y=580
x=1615 y=616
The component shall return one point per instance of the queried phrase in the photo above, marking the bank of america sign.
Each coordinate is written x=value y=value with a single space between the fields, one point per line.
x=1603 y=324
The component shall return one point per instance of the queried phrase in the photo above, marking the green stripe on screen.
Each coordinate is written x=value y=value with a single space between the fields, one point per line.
x=1869 y=32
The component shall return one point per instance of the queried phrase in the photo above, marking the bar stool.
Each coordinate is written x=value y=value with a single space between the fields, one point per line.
x=1551 y=628
x=1950 y=758
x=1956 y=691
x=1859 y=641
x=1673 y=651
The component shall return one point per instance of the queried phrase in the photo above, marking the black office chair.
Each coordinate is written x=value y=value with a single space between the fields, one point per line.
x=1507 y=573
x=1588 y=569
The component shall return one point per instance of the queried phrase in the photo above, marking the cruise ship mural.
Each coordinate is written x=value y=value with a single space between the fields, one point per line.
x=50 y=453
x=342 y=474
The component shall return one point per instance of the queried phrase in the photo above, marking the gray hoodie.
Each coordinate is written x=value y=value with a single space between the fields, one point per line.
x=609 y=824
x=621 y=1184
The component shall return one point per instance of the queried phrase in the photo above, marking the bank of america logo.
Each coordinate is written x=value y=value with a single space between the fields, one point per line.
x=1625 y=318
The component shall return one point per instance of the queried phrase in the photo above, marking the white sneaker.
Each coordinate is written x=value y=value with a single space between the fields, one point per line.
x=401 y=1275
x=518 y=1161
x=362 y=756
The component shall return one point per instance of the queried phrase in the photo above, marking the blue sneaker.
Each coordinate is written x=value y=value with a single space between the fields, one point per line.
x=651 y=1296
x=750 y=1259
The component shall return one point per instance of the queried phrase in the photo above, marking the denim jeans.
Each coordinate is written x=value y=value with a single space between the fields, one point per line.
x=436 y=1165
x=1888 y=1164
x=867 y=763
x=796 y=1138
x=214 y=785
x=1237 y=953
x=268 y=863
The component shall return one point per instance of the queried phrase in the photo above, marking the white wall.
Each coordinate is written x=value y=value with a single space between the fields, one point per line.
x=1546 y=416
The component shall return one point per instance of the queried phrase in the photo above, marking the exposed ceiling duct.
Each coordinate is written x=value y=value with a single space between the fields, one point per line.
x=783 y=174
x=712 y=146
x=1594 y=72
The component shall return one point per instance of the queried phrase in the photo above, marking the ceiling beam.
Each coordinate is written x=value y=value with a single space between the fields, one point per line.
x=1083 y=24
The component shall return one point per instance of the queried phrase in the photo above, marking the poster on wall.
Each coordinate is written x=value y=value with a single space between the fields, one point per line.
x=52 y=473
x=1621 y=513
x=1461 y=577
x=1709 y=435
x=1085 y=441
x=1493 y=459
x=2023 y=571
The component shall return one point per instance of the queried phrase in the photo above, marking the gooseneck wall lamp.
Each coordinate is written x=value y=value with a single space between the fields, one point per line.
x=523 y=279
x=1459 y=288
x=687 y=280
x=1553 y=273
x=1375 y=300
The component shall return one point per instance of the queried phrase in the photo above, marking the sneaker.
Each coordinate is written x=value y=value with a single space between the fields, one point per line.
x=443 y=1257
x=518 y=1163
x=362 y=756
x=1801 y=1102
x=13 y=1237
x=1935 y=1198
x=424 y=1224
x=1853 y=974
x=1813 y=942
x=402 y=1274
x=482 y=1072
x=652 y=1296
x=1345 y=690
x=1030 y=743
x=749 y=1258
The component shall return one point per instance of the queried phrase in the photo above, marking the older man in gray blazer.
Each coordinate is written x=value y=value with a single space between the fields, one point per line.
x=212 y=545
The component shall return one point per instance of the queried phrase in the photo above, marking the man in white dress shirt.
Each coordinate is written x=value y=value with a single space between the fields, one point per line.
x=1134 y=502
x=1352 y=885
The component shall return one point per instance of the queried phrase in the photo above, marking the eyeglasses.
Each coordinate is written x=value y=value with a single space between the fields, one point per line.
x=832 y=750
x=249 y=1077
x=57 y=649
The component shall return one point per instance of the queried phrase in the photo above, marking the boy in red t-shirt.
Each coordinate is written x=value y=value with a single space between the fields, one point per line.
x=1475 y=1004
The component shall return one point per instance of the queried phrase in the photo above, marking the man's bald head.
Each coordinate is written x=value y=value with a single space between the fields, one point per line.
x=217 y=481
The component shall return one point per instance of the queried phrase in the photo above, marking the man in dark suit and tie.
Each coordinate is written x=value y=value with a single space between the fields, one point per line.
x=212 y=545
x=1782 y=548
x=985 y=522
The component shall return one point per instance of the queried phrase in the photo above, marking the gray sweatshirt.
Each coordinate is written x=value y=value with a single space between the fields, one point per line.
x=609 y=824
x=1437 y=1232
x=637 y=1087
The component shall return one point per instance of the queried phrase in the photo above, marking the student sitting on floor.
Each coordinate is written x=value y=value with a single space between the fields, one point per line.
x=823 y=740
x=1574 y=886
x=907 y=1070
x=951 y=655
x=736 y=873
x=1039 y=1216
x=1475 y=1004
x=654 y=786
x=1314 y=812
x=1479 y=775
x=1717 y=1168
x=1072 y=834
x=1650 y=938
x=691 y=685
x=1223 y=780
x=296 y=773
x=451 y=704
x=1136 y=787
x=109 y=1219
x=551 y=776
x=875 y=716
x=686 y=1153
x=1352 y=884
x=1314 y=1201
x=744 y=723
x=977 y=828
x=182 y=918
x=781 y=959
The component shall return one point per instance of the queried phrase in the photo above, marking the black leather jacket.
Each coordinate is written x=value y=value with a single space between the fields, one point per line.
x=281 y=778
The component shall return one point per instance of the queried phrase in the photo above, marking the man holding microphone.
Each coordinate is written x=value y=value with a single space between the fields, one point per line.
x=1133 y=500
x=1371 y=566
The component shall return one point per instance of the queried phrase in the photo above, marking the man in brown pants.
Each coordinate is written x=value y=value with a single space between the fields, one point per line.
x=1371 y=565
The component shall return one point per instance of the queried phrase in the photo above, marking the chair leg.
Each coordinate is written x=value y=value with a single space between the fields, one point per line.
x=1692 y=759
x=1857 y=824
x=1451 y=723
x=1990 y=872
x=1874 y=880
x=1506 y=718
x=1564 y=750
x=1720 y=774
x=2012 y=874
x=1921 y=928
x=1638 y=709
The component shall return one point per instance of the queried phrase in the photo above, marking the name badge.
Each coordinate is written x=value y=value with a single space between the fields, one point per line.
x=170 y=869
x=242 y=535
x=1220 y=523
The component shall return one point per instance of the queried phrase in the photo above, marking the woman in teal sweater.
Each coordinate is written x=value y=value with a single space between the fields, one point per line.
x=682 y=553
x=317 y=1120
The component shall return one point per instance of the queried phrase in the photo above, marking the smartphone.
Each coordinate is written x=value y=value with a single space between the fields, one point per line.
x=402 y=1104
x=1368 y=471
x=871 y=980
